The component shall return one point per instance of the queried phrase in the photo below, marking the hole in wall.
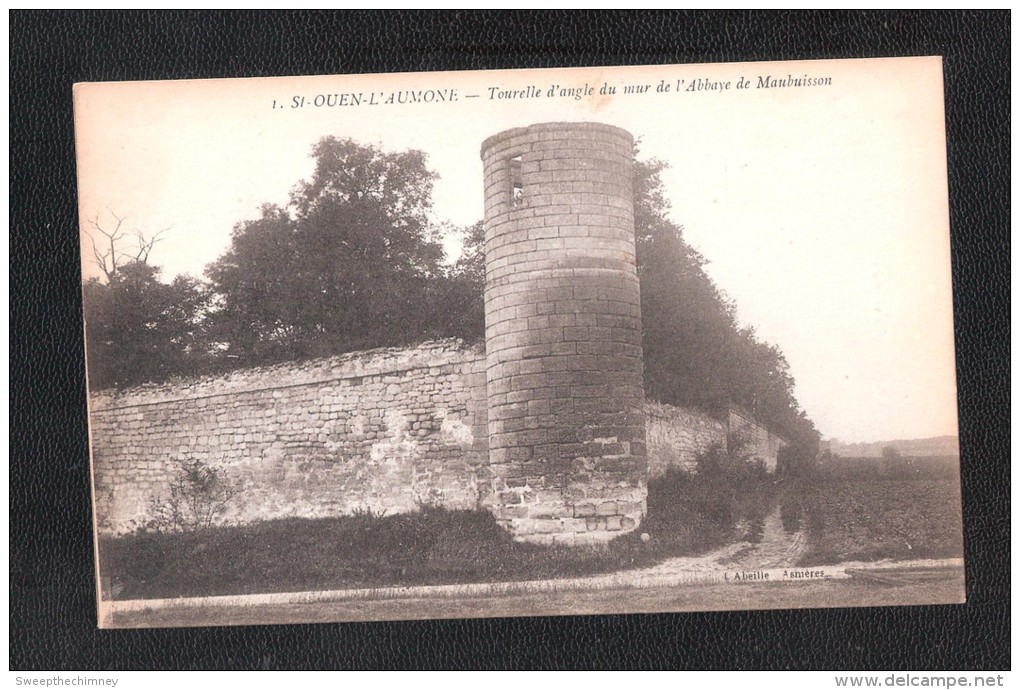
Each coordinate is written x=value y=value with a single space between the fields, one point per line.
x=516 y=182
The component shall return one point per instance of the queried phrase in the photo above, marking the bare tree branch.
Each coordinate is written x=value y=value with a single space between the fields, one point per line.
x=106 y=259
x=145 y=245
x=107 y=252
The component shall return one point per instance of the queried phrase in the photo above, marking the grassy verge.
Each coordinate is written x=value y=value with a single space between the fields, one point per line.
x=844 y=520
x=686 y=515
x=872 y=519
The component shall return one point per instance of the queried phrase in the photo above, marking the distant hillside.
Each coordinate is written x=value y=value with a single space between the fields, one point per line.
x=918 y=447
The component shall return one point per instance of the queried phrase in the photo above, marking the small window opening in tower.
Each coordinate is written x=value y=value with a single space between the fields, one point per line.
x=516 y=182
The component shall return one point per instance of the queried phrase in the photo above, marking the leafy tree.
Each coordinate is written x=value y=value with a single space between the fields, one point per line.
x=352 y=263
x=139 y=329
x=686 y=321
x=254 y=284
x=459 y=310
x=890 y=453
x=695 y=352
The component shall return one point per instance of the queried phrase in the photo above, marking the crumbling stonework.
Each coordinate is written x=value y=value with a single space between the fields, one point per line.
x=563 y=333
x=676 y=436
x=757 y=442
x=384 y=431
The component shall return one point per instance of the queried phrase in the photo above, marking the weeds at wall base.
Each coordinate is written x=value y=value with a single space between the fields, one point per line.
x=687 y=514
x=430 y=546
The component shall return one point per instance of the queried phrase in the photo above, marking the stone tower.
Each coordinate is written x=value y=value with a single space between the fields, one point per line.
x=563 y=334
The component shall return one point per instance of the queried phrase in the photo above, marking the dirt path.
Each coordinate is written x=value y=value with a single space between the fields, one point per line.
x=772 y=547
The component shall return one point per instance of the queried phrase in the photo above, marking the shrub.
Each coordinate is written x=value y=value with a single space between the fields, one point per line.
x=732 y=489
x=693 y=512
x=197 y=497
x=796 y=461
x=730 y=464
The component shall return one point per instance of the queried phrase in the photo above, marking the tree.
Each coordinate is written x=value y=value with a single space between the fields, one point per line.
x=688 y=325
x=459 y=308
x=108 y=249
x=352 y=263
x=695 y=352
x=890 y=453
x=139 y=329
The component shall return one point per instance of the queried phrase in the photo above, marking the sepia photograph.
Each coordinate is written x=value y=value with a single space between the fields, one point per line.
x=519 y=343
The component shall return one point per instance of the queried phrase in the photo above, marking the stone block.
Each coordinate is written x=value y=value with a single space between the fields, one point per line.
x=564 y=539
x=551 y=511
x=631 y=508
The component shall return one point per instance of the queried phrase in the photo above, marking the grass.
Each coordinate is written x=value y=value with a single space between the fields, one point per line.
x=432 y=546
x=873 y=519
x=687 y=515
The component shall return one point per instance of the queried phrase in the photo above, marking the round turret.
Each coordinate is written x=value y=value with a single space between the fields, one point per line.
x=563 y=333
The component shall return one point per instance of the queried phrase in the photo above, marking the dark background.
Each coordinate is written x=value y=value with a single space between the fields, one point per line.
x=52 y=599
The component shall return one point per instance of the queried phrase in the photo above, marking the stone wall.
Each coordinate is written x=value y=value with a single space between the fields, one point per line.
x=757 y=442
x=676 y=436
x=383 y=430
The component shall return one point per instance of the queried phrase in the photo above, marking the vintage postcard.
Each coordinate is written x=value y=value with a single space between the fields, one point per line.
x=511 y=343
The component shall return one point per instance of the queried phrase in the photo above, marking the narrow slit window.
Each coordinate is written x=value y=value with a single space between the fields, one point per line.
x=516 y=182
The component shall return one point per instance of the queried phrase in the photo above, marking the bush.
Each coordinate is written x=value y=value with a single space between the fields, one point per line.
x=197 y=498
x=795 y=461
x=731 y=464
x=688 y=513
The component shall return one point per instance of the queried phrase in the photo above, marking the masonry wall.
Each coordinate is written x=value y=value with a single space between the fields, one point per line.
x=383 y=430
x=758 y=443
x=676 y=436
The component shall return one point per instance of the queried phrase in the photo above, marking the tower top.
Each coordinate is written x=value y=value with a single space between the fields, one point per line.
x=520 y=135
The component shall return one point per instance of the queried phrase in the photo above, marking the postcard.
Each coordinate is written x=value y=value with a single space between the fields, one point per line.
x=513 y=343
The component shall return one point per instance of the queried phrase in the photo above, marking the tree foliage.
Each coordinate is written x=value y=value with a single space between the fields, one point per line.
x=140 y=329
x=460 y=312
x=696 y=354
x=352 y=263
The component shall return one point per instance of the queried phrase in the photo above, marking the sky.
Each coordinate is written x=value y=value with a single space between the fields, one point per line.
x=822 y=209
